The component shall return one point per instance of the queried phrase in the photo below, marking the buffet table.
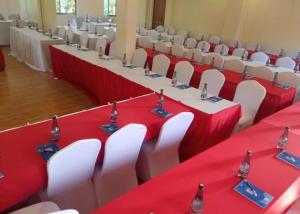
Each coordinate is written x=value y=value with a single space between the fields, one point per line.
x=32 y=47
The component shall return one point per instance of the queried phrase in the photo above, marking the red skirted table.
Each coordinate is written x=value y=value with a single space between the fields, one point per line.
x=217 y=168
x=275 y=100
x=273 y=58
x=212 y=47
x=2 y=61
x=103 y=84
x=25 y=170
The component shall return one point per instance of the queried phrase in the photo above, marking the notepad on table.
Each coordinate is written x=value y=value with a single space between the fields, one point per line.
x=161 y=112
x=289 y=159
x=110 y=128
x=48 y=150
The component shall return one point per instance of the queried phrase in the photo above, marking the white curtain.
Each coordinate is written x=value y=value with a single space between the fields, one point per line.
x=30 y=10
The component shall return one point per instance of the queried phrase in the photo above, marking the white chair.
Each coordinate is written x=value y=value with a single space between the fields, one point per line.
x=292 y=80
x=92 y=28
x=79 y=21
x=162 y=155
x=61 y=32
x=171 y=31
x=253 y=46
x=214 y=80
x=112 y=50
x=260 y=57
x=111 y=35
x=262 y=72
x=204 y=46
x=84 y=38
x=65 y=212
x=145 y=42
x=294 y=208
x=184 y=71
x=240 y=52
x=40 y=208
x=153 y=34
x=215 y=40
x=70 y=173
x=162 y=47
x=117 y=174
x=195 y=55
x=178 y=39
x=222 y=50
x=100 y=30
x=85 y=26
x=218 y=60
x=274 y=51
x=139 y=57
x=161 y=64
x=165 y=37
x=160 y=28
x=191 y=43
x=200 y=36
x=234 y=65
x=177 y=50
x=234 y=44
x=183 y=33
x=292 y=53
x=70 y=34
x=101 y=42
x=143 y=31
x=286 y=62
x=249 y=94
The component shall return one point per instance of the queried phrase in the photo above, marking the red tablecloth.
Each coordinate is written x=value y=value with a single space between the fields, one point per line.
x=25 y=170
x=212 y=47
x=217 y=169
x=230 y=50
x=104 y=85
x=2 y=61
x=199 y=69
x=273 y=58
x=275 y=100
x=288 y=117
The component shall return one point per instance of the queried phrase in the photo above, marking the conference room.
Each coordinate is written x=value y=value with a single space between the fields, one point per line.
x=149 y=106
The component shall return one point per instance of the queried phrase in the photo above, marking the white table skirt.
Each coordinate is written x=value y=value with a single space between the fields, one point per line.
x=4 y=32
x=32 y=47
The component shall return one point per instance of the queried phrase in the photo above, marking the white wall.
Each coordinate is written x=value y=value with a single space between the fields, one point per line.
x=9 y=7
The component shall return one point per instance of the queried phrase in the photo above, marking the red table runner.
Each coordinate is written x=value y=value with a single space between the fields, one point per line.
x=25 y=170
x=2 y=61
x=217 y=169
x=275 y=100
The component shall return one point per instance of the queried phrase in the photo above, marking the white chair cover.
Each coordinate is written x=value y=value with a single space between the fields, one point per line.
x=184 y=71
x=145 y=42
x=240 y=52
x=117 y=174
x=262 y=72
x=179 y=39
x=274 y=51
x=295 y=207
x=218 y=49
x=286 y=62
x=139 y=57
x=70 y=174
x=215 y=40
x=214 y=80
x=234 y=65
x=153 y=34
x=204 y=46
x=40 y=208
x=162 y=47
x=260 y=57
x=218 y=60
x=84 y=38
x=70 y=35
x=101 y=42
x=100 y=30
x=191 y=43
x=183 y=33
x=177 y=50
x=200 y=36
x=161 y=64
x=292 y=80
x=160 y=28
x=158 y=157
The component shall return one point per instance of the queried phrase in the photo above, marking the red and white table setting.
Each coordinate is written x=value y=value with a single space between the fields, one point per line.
x=2 y=60
x=32 y=47
x=217 y=169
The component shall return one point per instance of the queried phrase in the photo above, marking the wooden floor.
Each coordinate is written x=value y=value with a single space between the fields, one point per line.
x=27 y=95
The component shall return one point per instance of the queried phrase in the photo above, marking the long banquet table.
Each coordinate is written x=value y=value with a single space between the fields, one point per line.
x=25 y=170
x=217 y=169
x=32 y=47
x=2 y=60
x=213 y=121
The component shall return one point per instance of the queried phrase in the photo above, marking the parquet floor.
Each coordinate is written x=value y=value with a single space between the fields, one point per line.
x=27 y=95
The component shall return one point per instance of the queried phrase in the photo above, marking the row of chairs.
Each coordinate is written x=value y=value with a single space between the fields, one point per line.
x=74 y=181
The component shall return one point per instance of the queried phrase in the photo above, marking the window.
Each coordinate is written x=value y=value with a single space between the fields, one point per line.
x=110 y=7
x=65 y=6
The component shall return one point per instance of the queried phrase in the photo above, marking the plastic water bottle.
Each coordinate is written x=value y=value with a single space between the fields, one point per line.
x=114 y=113
x=174 y=79
x=124 y=61
x=257 y=48
x=244 y=169
x=244 y=57
x=161 y=100
x=236 y=44
x=222 y=50
x=296 y=69
x=50 y=33
x=100 y=52
x=275 y=79
x=245 y=73
x=212 y=62
x=67 y=40
x=204 y=92
x=203 y=47
x=197 y=204
x=283 y=140
x=55 y=131
x=269 y=61
x=147 y=70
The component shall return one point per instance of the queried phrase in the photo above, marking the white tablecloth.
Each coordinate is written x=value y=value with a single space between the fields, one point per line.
x=4 y=32
x=190 y=97
x=32 y=47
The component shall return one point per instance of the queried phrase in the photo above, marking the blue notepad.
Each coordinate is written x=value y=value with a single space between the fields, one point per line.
x=182 y=87
x=155 y=75
x=214 y=99
x=48 y=150
x=283 y=86
x=161 y=112
x=106 y=57
x=289 y=158
x=110 y=128
x=131 y=66
x=254 y=194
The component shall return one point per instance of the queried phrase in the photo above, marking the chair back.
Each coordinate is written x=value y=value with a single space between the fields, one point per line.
x=191 y=43
x=214 y=80
x=100 y=30
x=179 y=39
x=184 y=71
x=262 y=72
x=162 y=47
x=253 y=46
x=177 y=50
x=291 y=79
x=84 y=38
x=218 y=60
x=215 y=40
x=240 y=52
x=222 y=50
x=260 y=57
x=286 y=62
x=274 y=51
x=204 y=46
x=183 y=33
x=160 y=28
x=145 y=42
x=139 y=57
x=161 y=64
